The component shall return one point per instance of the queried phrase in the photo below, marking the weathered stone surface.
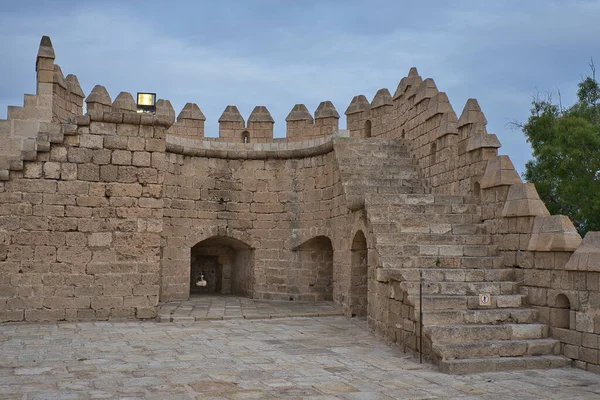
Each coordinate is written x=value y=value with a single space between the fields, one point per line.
x=46 y=50
x=523 y=201
x=191 y=111
x=124 y=102
x=472 y=114
x=499 y=172
x=231 y=114
x=382 y=98
x=553 y=233
x=260 y=114
x=587 y=255
x=299 y=113
x=165 y=113
x=358 y=104
x=100 y=95
x=326 y=109
x=74 y=86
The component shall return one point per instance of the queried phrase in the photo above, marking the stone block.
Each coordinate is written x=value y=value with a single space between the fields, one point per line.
x=523 y=200
x=115 y=142
x=52 y=170
x=553 y=233
x=33 y=170
x=44 y=315
x=142 y=159
x=121 y=157
x=88 y=172
x=124 y=189
x=104 y=128
x=68 y=171
x=588 y=355
x=586 y=256
x=100 y=239
x=499 y=172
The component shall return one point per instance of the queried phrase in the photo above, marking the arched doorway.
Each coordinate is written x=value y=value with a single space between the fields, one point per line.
x=359 y=275
x=221 y=265
x=311 y=273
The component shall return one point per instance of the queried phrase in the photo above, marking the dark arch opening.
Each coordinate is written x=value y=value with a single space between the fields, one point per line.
x=477 y=192
x=403 y=134
x=433 y=154
x=311 y=273
x=359 y=280
x=560 y=314
x=245 y=137
x=367 y=131
x=222 y=264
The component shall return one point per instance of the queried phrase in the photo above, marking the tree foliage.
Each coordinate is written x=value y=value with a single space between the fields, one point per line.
x=566 y=155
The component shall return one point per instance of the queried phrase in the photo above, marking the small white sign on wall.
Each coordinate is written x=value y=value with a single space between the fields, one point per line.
x=485 y=299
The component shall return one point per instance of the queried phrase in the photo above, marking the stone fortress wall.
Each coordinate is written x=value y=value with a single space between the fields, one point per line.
x=104 y=214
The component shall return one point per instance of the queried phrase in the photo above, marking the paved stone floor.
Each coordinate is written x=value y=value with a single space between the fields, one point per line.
x=287 y=358
x=214 y=307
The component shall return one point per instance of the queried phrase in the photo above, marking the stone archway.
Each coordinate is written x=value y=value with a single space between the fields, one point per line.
x=359 y=271
x=226 y=264
x=311 y=272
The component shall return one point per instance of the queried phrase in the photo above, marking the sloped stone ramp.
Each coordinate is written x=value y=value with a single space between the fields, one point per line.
x=223 y=307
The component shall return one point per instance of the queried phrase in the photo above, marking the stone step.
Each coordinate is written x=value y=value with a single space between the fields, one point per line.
x=360 y=190
x=369 y=182
x=436 y=302
x=429 y=209
x=472 y=250
x=492 y=316
x=397 y=151
x=370 y=143
x=454 y=334
x=382 y=226
x=421 y=199
x=404 y=218
x=498 y=348
x=463 y=288
x=369 y=155
x=482 y=365
x=428 y=241
x=357 y=162
x=378 y=170
x=389 y=227
x=390 y=178
x=448 y=274
x=395 y=260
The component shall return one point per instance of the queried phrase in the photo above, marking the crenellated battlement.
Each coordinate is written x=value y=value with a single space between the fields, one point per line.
x=417 y=111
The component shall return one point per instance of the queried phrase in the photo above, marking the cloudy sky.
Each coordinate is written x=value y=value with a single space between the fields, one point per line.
x=281 y=52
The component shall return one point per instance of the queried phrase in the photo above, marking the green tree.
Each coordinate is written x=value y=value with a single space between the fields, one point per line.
x=566 y=155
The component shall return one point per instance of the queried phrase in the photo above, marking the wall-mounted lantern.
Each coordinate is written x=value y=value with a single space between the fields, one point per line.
x=146 y=102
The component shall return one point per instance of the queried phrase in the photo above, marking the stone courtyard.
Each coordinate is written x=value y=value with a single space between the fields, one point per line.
x=288 y=358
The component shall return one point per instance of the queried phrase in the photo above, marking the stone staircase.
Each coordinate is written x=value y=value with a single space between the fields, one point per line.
x=442 y=240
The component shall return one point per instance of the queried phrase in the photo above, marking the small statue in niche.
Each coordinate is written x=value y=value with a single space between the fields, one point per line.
x=201 y=282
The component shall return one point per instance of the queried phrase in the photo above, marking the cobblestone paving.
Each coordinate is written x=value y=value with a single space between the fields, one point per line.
x=288 y=358
x=214 y=307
